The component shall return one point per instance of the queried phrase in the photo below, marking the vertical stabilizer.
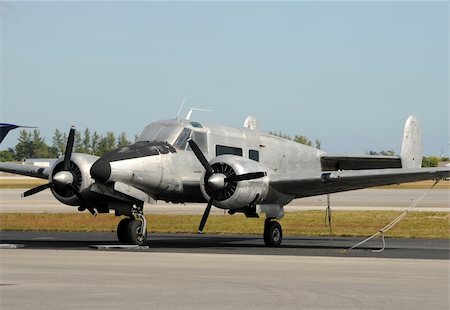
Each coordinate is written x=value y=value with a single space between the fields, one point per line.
x=411 y=153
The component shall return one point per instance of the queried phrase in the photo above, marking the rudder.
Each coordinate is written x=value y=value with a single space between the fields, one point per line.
x=411 y=152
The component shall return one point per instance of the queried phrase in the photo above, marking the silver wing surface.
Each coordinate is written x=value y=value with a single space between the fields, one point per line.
x=27 y=170
x=339 y=181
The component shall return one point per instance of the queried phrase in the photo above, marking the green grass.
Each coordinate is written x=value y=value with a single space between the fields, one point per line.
x=309 y=223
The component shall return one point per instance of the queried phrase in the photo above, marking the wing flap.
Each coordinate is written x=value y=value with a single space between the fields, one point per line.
x=339 y=181
x=27 y=170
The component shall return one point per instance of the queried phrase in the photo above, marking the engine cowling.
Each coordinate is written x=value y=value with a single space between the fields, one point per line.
x=80 y=165
x=236 y=195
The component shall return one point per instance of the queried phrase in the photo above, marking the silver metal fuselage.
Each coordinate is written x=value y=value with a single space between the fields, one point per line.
x=177 y=176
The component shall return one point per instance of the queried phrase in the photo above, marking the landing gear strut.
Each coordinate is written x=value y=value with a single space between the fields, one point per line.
x=273 y=233
x=133 y=230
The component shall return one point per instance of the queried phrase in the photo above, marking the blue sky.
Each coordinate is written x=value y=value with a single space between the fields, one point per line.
x=346 y=73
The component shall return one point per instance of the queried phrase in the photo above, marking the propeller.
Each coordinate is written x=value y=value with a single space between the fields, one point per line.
x=63 y=179
x=217 y=181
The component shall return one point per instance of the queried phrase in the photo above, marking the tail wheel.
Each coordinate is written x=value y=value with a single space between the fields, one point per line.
x=273 y=234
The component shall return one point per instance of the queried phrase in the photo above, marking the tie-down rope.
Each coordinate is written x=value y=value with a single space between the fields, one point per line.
x=393 y=223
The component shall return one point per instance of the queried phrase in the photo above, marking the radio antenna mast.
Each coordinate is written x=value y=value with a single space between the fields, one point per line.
x=188 y=116
x=181 y=107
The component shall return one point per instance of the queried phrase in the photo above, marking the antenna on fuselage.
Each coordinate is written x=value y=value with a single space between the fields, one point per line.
x=188 y=116
x=181 y=107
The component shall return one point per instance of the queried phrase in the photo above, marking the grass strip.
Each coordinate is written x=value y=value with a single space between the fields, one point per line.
x=13 y=183
x=307 y=223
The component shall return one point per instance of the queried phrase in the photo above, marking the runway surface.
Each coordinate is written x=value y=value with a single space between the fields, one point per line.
x=366 y=199
x=54 y=270
x=237 y=244
x=58 y=270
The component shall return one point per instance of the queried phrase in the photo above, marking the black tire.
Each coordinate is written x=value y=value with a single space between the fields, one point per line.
x=122 y=230
x=273 y=234
x=134 y=233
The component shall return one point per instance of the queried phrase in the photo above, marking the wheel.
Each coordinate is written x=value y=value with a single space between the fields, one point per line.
x=135 y=234
x=122 y=233
x=273 y=233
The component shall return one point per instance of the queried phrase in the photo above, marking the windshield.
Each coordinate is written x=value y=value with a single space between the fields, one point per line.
x=181 y=142
x=159 y=132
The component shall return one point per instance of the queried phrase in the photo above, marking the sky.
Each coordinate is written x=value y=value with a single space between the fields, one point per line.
x=346 y=73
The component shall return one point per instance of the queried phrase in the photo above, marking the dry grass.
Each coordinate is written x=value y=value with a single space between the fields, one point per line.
x=444 y=184
x=30 y=182
x=13 y=183
x=309 y=223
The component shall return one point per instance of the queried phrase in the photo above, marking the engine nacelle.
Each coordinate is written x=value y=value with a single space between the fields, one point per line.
x=80 y=165
x=236 y=195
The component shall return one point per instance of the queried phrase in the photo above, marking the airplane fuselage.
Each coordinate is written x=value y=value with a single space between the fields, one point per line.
x=162 y=164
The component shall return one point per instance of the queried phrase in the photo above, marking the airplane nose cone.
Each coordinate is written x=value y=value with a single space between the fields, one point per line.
x=217 y=181
x=101 y=170
x=63 y=177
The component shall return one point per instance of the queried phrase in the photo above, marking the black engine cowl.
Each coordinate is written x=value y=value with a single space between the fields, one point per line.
x=80 y=165
x=236 y=195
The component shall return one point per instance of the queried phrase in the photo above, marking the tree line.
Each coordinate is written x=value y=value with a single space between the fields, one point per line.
x=297 y=138
x=33 y=145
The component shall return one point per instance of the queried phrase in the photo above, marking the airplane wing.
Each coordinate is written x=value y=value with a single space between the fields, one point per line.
x=28 y=170
x=340 y=181
x=5 y=128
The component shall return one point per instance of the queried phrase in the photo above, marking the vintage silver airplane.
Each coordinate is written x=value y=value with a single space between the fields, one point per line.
x=236 y=169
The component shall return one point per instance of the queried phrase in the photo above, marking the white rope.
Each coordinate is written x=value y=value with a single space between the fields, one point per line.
x=394 y=222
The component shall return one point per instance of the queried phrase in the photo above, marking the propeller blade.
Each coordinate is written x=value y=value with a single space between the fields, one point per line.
x=205 y=216
x=245 y=176
x=200 y=156
x=69 y=148
x=36 y=189
x=78 y=194
x=83 y=203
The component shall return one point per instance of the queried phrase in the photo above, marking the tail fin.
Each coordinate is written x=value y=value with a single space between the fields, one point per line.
x=411 y=153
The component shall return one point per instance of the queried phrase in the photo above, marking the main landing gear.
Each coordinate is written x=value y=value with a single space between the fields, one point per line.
x=273 y=233
x=133 y=230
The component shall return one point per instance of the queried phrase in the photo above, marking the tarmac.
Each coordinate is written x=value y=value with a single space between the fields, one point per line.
x=62 y=270
x=52 y=270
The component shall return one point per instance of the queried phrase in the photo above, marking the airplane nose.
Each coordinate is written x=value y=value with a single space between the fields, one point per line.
x=101 y=170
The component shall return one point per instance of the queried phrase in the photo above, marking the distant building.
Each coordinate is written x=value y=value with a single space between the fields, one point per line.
x=39 y=162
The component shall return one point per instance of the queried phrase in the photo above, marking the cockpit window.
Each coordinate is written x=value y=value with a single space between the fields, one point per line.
x=158 y=132
x=181 y=142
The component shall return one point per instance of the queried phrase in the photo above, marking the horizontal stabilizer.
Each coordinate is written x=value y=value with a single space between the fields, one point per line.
x=341 y=162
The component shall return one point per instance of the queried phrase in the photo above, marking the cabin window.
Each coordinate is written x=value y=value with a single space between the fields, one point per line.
x=222 y=150
x=253 y=154
x=201 y=139
x=182 y=139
